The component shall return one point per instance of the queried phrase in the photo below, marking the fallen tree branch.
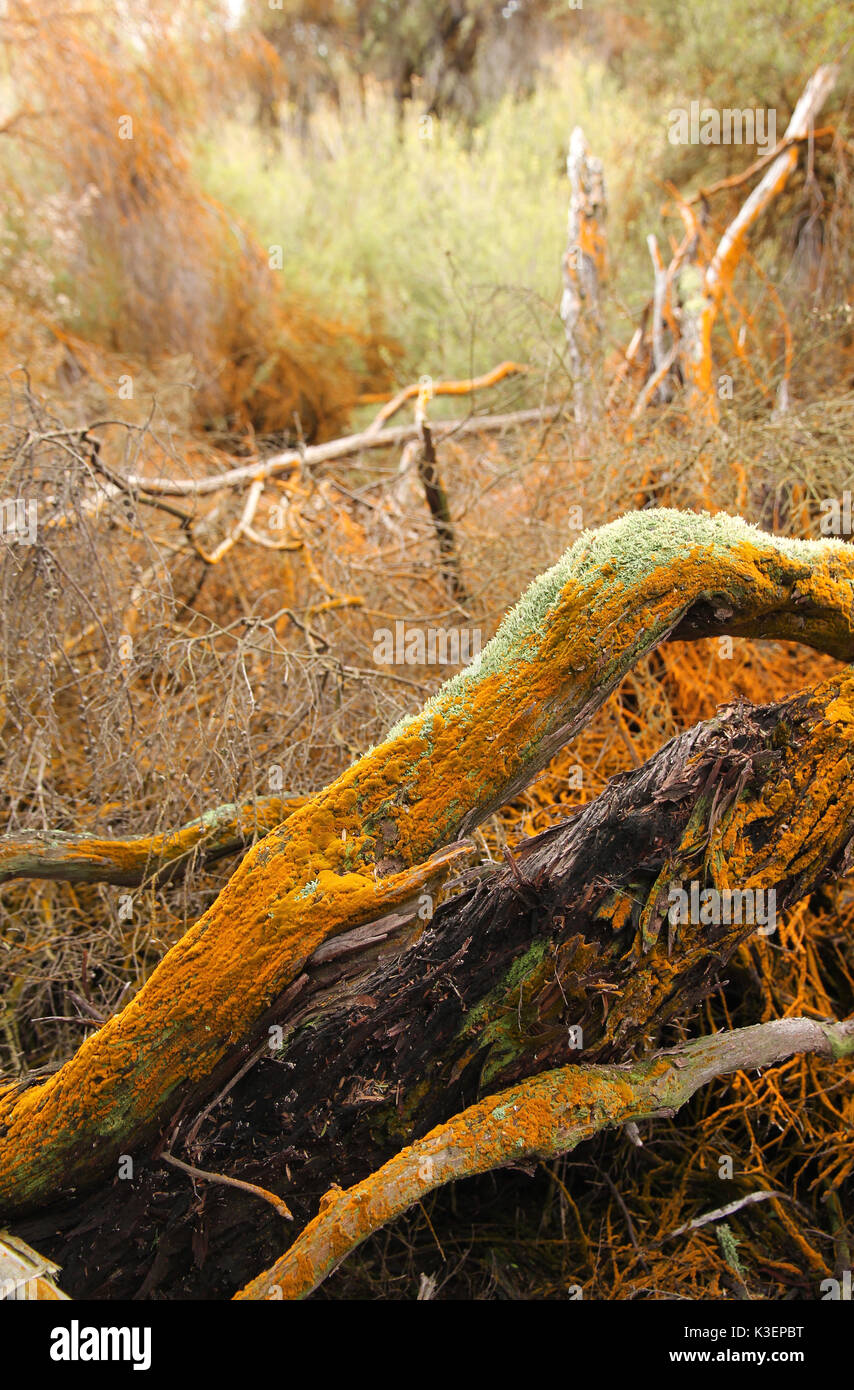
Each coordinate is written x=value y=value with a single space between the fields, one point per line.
x=371 y=841
x=544 y=1117
x=438 y=388
x=564 y=953
x=60 y=855
x=334 y=449
x=278 y=1203
x=749 y=1200
x=243 y=527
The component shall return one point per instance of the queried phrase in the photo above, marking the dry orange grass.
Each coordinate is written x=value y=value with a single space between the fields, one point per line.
x=140 y=264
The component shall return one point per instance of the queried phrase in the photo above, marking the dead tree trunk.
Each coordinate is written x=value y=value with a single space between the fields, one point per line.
x=565 y=955
x=583 y=273
x=704 y=273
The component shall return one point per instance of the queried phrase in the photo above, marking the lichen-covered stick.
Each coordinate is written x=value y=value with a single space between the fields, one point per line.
x=362 y=845
x=57 y=854
x=543 y=1117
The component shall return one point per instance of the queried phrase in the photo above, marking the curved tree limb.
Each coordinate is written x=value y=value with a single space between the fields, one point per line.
x=544 y=1117
x=702 y=310
x=362 y=847
x=736 y=180
x=394 y=403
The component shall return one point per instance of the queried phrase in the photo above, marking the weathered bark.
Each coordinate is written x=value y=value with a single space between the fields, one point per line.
x=583 y=273
x=437 y=501
x=662 y=357
x=383 y=1038
x=345 y=447
x=363 y=846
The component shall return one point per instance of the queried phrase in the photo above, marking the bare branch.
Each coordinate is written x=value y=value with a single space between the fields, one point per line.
x=544 y=1117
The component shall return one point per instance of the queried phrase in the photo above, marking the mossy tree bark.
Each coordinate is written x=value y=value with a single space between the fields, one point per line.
x=57 y=854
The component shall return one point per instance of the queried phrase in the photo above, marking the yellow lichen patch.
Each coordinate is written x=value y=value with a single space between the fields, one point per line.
x=810 y=801
x=542 y=1117
x=82 y=858
x=547 y=1114
x=840 y=712
x=618 y=910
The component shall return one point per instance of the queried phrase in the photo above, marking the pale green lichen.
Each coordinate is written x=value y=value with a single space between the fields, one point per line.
x=213 y=819
x=663 y=534
x=631 y=545
x=223 y=973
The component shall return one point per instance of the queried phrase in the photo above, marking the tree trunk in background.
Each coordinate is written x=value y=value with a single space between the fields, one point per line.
x=583 y=273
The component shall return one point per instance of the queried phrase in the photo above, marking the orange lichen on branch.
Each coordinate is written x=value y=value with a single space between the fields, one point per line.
x=437 y=388
x=56 y=854
x=544 y=1117
x=358 y=848
x=201 y=1000
x=810 y=804
x=762 y=835
x=702 y=308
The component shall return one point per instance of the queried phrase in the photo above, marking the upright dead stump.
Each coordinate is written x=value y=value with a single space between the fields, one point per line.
x=584 y=266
